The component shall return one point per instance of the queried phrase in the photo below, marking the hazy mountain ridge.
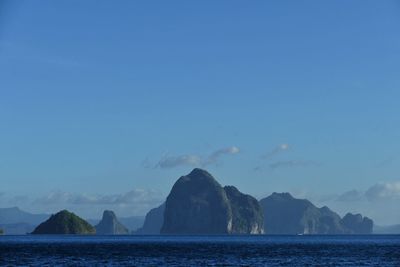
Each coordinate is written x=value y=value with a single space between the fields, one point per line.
x=15 y=221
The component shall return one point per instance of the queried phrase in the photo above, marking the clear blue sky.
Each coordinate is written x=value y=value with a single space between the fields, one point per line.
x=101 y=98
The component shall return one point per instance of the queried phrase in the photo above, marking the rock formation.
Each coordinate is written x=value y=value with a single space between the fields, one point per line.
x=285 y=214
x=109 y=225
x=198 y=204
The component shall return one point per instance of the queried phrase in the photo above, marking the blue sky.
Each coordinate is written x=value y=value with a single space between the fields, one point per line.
x=100 y=99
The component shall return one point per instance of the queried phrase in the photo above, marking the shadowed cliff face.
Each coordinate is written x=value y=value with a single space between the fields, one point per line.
x=247 y=215
x=64 y=222
x=109 y=225
x=197 y=204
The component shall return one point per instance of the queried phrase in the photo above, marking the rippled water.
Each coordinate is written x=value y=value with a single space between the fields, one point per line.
x=201 y=250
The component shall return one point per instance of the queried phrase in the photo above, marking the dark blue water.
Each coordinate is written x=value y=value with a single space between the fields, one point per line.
x=201 y=250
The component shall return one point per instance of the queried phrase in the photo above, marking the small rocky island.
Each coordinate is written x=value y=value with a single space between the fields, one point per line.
x=64 y=223
x=109 y=225
x=198 y=204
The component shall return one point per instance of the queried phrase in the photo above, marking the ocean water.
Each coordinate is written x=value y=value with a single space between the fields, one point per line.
x=372 y=250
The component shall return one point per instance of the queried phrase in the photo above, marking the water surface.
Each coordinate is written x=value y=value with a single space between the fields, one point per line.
x=369 y=250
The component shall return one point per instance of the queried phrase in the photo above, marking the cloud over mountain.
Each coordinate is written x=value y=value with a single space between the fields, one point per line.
x=383 y=191
x=192 y=160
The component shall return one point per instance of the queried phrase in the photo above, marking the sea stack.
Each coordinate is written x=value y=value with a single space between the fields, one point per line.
x=64 y=222
x=109 y=225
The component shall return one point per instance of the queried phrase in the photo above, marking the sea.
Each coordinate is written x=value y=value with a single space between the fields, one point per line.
x=241 y=250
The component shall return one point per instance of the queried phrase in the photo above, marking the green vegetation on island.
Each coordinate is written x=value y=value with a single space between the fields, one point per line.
x=65 y=222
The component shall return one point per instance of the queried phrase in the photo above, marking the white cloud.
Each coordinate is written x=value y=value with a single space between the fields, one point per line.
x=382 y=191
x=196 y=160
x=352 y=195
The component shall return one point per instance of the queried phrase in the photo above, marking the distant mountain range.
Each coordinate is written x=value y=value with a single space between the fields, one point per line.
x=14 y=221
x=198 y=204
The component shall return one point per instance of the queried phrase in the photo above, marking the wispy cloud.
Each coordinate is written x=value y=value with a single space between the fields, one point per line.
x=193 y=160
x=216 y=155
x=136 y=196
x=292 y=163
x=277 y=150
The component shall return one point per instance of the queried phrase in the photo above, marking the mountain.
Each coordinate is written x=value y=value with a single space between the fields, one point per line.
x=198 y=204
x=109 y=225
x=64 y=222
x=387 y=229
x=285 y=214
x=153 y=221
x=18 y=222
x=357 y=224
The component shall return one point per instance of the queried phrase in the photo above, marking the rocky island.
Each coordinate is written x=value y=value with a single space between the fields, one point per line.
x=65 y=222
x=198 y=204
x=285 y=214
x=109 y=225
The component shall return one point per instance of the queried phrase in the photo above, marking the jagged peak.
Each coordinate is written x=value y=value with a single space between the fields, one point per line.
x=109 y=214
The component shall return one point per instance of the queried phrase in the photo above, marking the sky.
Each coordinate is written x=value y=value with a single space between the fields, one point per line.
x=106 y=104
